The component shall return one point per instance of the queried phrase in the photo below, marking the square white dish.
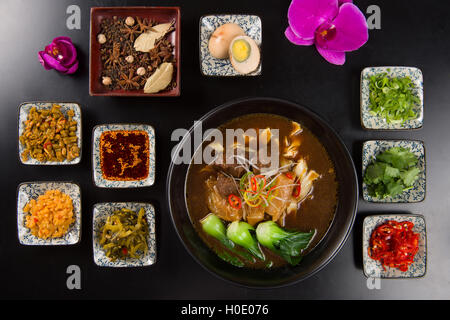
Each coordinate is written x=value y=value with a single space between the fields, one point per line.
x=101 y=212
x=374 y=269
x=374 y=147
x=24 y=109
x=210 y=66
x=374 y=122
x=99 y=180
x=32 y=190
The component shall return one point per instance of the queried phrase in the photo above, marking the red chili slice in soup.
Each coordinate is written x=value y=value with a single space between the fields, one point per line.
x=234 y=201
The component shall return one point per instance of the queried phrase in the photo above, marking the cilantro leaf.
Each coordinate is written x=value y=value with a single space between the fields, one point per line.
x=391 y=173
x=375 y=172
x=410 y=176
x=394 y=187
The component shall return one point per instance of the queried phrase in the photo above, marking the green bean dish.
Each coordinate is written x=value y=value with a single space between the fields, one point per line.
x=49 y=135
x=124 y=234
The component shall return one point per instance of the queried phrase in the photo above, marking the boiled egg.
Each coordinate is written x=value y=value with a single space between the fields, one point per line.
x=244 y=54
x=221 y=38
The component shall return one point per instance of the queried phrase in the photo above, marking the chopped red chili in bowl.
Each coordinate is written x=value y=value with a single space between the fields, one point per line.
x=394 y=244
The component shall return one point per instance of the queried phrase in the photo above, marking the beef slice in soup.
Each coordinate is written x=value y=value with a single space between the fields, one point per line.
x=225 y=185
x=218 y=190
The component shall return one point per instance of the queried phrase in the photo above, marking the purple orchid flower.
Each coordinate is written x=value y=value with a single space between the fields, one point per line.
x=60 y=55
x=334 y=26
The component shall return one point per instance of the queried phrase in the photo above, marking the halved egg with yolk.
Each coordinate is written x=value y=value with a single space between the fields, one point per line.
x=244 y=54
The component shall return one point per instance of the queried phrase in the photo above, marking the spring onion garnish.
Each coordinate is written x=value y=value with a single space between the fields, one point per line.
x=256 y=190
x=392 y=98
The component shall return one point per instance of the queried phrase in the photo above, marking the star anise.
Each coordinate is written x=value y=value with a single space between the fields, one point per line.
x=130 y=32
x=128 y=82
x=113 y=58
x=144 y=24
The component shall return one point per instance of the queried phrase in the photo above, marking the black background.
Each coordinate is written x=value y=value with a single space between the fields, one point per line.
x=413 y=33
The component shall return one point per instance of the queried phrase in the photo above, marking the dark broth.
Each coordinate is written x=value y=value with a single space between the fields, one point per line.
x=314 y=213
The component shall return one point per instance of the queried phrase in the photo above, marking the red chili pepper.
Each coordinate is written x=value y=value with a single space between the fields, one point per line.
x=234 y=201
x=289 y=175
x=253 y=184
x=125 y=251
x=394 y=244
x=48 y=143
x=269 y=193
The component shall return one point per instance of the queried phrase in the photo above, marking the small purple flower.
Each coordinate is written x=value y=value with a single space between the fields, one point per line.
x=334 y=26
x=60 y=55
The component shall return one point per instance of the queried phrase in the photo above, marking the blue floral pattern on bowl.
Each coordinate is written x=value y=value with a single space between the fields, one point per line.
x=96 y=161
x=374 y=147
x=211 y=66
x=374 y=269
x=32 y=190
x=101 y=212
x=374 y=122
x=24 y=109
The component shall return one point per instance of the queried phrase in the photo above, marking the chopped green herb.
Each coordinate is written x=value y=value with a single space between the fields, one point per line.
x=392 y=98
x=393 y=172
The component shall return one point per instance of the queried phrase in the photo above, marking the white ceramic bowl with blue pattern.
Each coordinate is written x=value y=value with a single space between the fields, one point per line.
x=374 y=122
x=374 y=147
x=32 y=190
x=210 y=66
x=24 y=109
x=101 y=212
x=374 y=269
x=99 y=180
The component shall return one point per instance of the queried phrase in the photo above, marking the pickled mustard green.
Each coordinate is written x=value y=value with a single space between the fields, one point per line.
x=124 y=234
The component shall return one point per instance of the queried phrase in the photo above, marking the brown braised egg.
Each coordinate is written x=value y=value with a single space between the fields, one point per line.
x=221 y=38
x=244 y=54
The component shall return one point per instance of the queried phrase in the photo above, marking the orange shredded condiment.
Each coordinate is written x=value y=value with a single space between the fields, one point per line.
x=51 y=215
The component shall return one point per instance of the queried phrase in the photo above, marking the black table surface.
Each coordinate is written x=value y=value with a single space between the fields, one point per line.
x=413 y=33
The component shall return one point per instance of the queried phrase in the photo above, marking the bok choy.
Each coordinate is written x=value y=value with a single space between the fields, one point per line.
x=242 y=234
x=213 y=226
x=288 y=244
